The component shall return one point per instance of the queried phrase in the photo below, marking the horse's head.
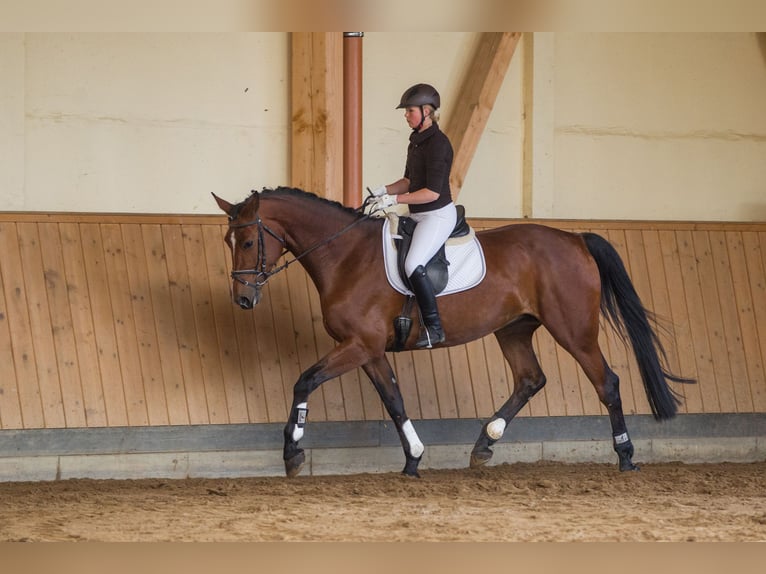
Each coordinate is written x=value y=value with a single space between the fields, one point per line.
x=255 y=249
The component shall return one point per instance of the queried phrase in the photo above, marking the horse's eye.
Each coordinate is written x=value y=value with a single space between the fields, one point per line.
x=247 y=244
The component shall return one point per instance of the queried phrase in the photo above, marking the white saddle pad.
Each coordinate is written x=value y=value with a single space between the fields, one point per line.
x=465 y=256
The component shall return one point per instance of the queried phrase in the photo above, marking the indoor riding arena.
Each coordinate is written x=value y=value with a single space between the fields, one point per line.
x=139 y=403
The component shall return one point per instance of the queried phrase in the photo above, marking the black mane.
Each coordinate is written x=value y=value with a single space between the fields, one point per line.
x=295 y=192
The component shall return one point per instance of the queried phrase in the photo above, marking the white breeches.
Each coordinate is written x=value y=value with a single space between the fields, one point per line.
x=431 y=232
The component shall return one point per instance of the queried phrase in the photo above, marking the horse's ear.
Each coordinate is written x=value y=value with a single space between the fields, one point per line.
x=225 y=206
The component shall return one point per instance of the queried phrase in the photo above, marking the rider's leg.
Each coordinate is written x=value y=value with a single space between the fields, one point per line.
x=432 y=230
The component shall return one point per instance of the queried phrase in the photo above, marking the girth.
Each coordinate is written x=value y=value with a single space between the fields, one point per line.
x=437 y=267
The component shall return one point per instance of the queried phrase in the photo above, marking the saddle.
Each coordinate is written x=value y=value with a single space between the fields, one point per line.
x=437 y=268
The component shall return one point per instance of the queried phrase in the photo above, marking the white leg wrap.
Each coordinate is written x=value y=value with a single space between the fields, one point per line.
x=298 y=430
x=495 y=429
x=416 y=447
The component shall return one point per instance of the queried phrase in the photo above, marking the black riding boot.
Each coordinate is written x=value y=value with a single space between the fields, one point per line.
x=433 y=333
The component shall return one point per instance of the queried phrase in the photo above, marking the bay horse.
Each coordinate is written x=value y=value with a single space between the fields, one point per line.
x=535 y=275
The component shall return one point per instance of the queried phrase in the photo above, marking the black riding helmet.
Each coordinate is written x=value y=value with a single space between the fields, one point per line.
x=420 y=95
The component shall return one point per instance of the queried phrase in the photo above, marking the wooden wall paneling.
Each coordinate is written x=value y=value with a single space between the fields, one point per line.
x=185 y=327
x=20 y=328
x=305 y=342
x=249 y=357
x=661 y=302
x=351 y=385
x=445 y=386
x=204 y=324
x=103 y=324
x=284 y=332
x=697 y=322
x=121 y=306
x=404 y=367
x=679 y=315
x=61 y=325
x=426 y=386
x=83 y=329
x=461 y=377
x=499 y=384
x=752 y=364
x=477 y=366
x=124 y=325
x=269 y=359
x=10 y=405
x=713 y=325
x=733 y=353
x=538 y=405
x=223 y=318
x=168 y=344
x=322 y=344
x=40 y=321
x=139 y=289
x=330 y=396
x=553 y=391
x=570 y=383
x=755 y=254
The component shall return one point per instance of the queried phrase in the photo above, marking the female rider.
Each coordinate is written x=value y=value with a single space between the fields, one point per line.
x=425 y=189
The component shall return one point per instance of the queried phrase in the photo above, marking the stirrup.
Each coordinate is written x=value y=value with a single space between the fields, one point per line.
x=428 y=338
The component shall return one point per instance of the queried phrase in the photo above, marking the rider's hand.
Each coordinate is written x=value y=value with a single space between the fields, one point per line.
x=379 y=191
x=384 y=201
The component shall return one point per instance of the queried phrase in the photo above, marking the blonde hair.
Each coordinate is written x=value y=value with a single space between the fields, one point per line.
x=432 y=112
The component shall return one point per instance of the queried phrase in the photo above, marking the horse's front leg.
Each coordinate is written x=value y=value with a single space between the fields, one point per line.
x=383 y=379
x=346 y=356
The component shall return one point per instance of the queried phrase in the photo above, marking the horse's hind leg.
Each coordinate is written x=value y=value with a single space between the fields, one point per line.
x=382 y=377
x=528 y=378
x=607 y=385
x=583 y=346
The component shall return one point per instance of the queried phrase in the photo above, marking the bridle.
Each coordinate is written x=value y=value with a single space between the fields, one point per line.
x=262 y=276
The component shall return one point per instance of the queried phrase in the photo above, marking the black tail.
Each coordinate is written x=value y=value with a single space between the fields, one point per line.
x=622 y=307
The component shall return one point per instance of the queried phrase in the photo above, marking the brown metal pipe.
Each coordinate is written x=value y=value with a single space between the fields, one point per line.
x=352 y=118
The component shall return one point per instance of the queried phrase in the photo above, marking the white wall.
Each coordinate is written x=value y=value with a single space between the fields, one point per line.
x=619 y=126
x=660 y=126
x=147 y=122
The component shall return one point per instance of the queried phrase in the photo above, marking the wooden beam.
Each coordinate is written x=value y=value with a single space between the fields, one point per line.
x=316 y=144
x=476 y=99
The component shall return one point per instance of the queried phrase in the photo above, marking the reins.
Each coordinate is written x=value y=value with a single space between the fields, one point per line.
x=263 y=276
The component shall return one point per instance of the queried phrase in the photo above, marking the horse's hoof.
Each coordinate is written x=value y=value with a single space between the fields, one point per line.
x=294 y=465
x=411 y=467
x=629 y=467
x=480 y=457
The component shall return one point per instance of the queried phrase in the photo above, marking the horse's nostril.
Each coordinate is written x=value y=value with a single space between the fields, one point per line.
x=245 y=302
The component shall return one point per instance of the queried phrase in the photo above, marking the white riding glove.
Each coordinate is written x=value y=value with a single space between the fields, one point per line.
x=384 y=201
x=379 y=191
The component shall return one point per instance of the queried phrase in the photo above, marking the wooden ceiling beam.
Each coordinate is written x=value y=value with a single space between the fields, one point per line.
x=476 y=99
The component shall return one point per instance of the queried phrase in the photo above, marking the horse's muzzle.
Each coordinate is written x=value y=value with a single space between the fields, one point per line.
x=248 y=301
